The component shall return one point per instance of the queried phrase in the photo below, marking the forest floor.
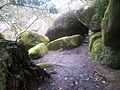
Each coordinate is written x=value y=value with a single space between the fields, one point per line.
x=74 y=70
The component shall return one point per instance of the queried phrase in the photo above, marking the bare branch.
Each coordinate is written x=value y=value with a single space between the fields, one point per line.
x=6 y=4
x=25 y=5
x=26 y=29
x=8 y=22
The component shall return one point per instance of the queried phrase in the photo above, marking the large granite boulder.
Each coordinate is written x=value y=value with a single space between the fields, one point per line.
x=67 y=42
x=85 y=15
x=30 y=39
x=66 y=25
x=38 y=51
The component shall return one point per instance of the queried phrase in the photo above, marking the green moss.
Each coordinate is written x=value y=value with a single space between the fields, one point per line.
x=105 y=55
x=111 y=24
x=44 y=65
x=100 y=7
x=94 y=37
x=2 y=36
x=38 y=51
x=96 y=49
x=103 y=24
x=30 y=39
x=67 y=42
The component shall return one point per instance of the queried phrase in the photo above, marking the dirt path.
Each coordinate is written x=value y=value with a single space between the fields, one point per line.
x=73 y=70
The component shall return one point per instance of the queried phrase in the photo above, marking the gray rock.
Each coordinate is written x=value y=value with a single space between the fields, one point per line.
x=85 y=15
x=66 y=25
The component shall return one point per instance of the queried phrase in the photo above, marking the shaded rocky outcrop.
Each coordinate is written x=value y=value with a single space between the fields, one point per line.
x=38 y=51
x=111 y=24
x=30 y=39
x=104 y=45
x=109 y=56
x=85 y=15
x=67 y=42
x=66 y=25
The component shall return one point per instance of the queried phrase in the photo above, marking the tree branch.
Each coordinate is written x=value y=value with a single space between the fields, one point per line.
x=25 y=5
x=26 y=29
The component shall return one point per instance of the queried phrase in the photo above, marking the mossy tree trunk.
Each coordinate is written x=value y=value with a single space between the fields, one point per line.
x=17 y=68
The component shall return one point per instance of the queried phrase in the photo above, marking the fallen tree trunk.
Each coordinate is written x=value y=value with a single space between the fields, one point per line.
x=16 y=69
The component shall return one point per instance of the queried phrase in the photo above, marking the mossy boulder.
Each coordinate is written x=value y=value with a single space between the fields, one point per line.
x=30 y=39
x=2 y=36
x=67 y=42
x=96 y=45
x=111 y=24
x=93 y=37
x=44 y=65
x=38 y=51
x=109 y=56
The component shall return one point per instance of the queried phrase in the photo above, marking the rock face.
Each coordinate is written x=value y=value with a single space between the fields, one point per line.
x=2 y=36
x=109 y=56
x=30 y=39
x=66 y=25
x=38 y=51
x=85 y=16
x=67 y=42
x=105 y=45
x=111 y=24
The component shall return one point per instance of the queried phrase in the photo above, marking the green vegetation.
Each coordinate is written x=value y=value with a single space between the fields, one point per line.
x=109 y=56
x=94 y=37
x=100 y=6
